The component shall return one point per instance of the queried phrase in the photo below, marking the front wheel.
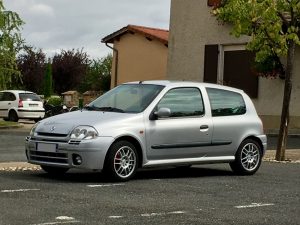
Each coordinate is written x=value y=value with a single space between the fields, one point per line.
x=122 y=161
x=54 y=170
x=248 y=158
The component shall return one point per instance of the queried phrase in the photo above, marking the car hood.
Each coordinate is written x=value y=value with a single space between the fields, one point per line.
x=65 y=123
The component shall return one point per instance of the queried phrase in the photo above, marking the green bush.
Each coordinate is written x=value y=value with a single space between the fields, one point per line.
x=55 y=100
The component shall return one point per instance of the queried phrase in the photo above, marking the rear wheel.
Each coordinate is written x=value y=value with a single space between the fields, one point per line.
x=54 y=170
x=122 y=161
x=12 y=116
x=248 y=158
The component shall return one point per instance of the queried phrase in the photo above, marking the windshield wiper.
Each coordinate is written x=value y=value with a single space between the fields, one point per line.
x=90 y=107
x=105 y=109
x=110 y=109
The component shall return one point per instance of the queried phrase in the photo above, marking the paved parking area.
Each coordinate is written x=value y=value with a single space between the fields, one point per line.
x=209 y=194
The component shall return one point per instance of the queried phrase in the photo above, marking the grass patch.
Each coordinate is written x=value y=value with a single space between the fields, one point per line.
x=7 y=123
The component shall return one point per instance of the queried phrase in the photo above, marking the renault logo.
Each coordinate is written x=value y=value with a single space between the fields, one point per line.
x=52 y=128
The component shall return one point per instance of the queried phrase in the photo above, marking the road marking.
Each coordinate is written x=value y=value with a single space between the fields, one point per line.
x=67 y=220
x=19 y=190
x=253 y=205
x=115 y=217
x=152 y=214
x=64 y=218
x=59 y=222
x=104 y=185
x=162 y=213
x=177 y=212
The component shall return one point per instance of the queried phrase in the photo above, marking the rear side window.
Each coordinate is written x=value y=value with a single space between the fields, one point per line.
x=183 y=102
x=7 y=96
x=225 y=103
x=29 y=97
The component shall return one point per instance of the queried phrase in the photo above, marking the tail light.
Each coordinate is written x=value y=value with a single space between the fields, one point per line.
x=20 y=105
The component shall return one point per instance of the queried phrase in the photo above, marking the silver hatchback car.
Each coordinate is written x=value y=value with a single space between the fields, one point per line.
x=149 y=124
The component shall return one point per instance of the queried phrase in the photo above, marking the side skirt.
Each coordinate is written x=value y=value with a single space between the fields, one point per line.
x=201 y=160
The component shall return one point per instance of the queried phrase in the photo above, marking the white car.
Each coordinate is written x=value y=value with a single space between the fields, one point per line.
x=16 y=104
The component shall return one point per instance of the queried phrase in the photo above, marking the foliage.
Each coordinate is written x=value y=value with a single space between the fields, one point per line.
x=271 y=24
x=98 y=75
x=54 y=100
x=32 y=65
x=69 y=69
x=10 y=44
x=48 y=81
x=274 y=28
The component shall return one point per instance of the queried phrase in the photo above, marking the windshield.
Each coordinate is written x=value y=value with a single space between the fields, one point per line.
x=127 y=98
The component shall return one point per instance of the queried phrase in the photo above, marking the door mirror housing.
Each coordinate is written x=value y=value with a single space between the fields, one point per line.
x=161 y=113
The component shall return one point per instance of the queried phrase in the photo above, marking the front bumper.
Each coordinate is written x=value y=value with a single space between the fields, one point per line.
x=92 y=152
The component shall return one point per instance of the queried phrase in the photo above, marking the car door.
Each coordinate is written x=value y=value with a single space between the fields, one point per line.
x=6 y=103
x=185 y=133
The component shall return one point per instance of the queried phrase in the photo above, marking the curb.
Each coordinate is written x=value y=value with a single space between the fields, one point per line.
x=18 y=166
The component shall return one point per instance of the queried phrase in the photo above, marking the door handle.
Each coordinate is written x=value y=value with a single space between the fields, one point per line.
x=202 y=127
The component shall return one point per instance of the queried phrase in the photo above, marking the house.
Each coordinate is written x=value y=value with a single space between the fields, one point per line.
x=139 y=53
x=202 y=49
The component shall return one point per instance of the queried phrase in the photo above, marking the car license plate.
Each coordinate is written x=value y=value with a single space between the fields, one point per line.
x=33 y=105
x=44 y=147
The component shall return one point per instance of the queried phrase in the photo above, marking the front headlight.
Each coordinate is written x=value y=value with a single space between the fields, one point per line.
x=32 y=131
x=84 y=133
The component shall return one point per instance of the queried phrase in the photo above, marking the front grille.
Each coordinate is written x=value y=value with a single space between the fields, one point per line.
x=51 y=134
x=51 y=157
x=48 y=140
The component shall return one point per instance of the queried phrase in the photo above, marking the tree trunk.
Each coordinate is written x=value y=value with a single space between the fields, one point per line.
x=284 y=124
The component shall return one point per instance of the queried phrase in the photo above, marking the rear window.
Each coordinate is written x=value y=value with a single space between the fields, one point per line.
x=29 y=97
x=225 y=103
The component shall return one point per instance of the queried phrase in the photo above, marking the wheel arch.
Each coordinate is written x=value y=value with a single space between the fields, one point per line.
x=12 y=110
x=133 y=141
x=258 y=141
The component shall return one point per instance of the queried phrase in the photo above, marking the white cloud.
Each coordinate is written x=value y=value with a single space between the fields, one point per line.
x=41 y=10
x=67 y=24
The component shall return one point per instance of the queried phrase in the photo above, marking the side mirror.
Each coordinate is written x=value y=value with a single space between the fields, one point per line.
x=161 y=113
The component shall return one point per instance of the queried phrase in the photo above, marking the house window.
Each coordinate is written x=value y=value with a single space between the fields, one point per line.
x=231 y=66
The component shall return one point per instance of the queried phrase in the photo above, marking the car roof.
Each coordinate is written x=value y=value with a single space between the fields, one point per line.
x=18 y=91
x=176 y=83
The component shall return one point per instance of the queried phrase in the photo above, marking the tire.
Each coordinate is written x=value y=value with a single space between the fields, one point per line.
x=37 y=120
x=54 y=170
x=247 y=158
x=12 y=116
x=122 y=161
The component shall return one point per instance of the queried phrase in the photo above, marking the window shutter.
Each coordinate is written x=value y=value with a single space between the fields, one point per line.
x=238 y=71
x=211 y=63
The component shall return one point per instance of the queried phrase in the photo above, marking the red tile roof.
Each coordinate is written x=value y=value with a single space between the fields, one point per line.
x=152 y=33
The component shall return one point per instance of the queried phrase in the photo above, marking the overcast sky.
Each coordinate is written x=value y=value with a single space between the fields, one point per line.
x=65 y=24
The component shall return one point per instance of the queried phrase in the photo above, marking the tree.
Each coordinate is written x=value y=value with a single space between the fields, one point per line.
x=48 y=80
x=32 y=65
x=69 y=69
x=274 y=30
x=10 y=44
x=98 y=75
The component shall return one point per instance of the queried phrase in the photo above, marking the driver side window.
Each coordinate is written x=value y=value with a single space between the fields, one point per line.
x=183 y=102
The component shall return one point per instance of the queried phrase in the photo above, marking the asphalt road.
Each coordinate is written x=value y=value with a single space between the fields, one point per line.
x=209 y=194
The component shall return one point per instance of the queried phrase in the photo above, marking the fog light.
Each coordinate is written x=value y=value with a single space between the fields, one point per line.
x=77 y=160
